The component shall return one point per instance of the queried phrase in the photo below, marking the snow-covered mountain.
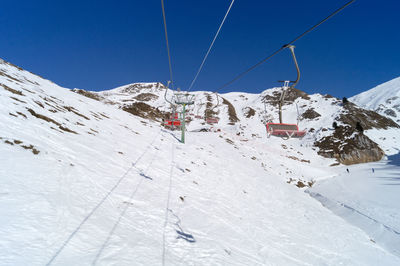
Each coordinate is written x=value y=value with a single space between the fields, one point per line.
x=246 y=114
x=83 y=182
x=383 y=99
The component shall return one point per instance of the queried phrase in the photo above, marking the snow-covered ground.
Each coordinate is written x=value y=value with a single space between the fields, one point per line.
x=367 y=196
x=85 y=183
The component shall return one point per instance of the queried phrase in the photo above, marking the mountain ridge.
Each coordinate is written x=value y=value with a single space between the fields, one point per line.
x=232 y=108
x=384 y=99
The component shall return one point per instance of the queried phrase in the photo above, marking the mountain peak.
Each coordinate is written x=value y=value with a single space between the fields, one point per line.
x=384 y=99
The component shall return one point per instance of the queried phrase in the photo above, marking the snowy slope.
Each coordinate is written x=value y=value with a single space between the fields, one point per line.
x=384 y=99
x=85 y=183
x=361 y=194
x=314 y=113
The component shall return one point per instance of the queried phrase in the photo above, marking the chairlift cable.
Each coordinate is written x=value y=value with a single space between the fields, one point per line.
x=166 y=40
x=212 y=44
x=284 y=46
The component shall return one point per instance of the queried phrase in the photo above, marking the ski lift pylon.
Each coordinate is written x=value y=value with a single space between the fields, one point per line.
x=184 y=99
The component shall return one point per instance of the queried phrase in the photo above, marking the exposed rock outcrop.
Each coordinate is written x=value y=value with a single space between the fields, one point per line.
x=231 y=111
x=249 y=112
x=138 y=87
x=209 y=111
x=88 y=94
x=145 y=97
x=368 y=119
x=291 y=95
x=310 y=114
x=349 y=146
x=145 y=111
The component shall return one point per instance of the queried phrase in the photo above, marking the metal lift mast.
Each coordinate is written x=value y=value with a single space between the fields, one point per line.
x=287 y=82
x=184 y=99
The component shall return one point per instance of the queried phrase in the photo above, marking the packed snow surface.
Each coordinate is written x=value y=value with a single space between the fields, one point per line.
x=367 y=196
x=85 y=183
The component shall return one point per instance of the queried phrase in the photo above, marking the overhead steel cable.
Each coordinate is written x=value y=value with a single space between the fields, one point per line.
x=212 y=44
x=284 y=46
x=166 y=40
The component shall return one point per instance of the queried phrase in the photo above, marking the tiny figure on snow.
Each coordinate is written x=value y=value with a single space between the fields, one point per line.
x=373 y=170
x=347 y=169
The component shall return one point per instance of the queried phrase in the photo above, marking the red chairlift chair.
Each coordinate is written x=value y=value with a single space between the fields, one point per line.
x=170 y=122
x=284 y=130
x=173 y=120
x=212 y=120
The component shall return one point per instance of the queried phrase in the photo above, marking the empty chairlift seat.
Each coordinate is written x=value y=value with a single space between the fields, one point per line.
x=170 y=122
x=173 y=121
x=284 y=130
x=212 y=120
x=175 y=116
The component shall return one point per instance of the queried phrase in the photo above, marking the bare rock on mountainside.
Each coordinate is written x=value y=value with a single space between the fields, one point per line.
x=145 y=97
x=369 y=119
x=310 y=114
x=145 y=111
x=249 y=112
x=209 y=111
x=291 y=95
x=390 y=112
x=349 y=146
x=138 y=87
x=231 y=112
x=89 y=94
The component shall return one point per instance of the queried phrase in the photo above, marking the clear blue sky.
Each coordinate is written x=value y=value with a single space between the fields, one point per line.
x=98 y=45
